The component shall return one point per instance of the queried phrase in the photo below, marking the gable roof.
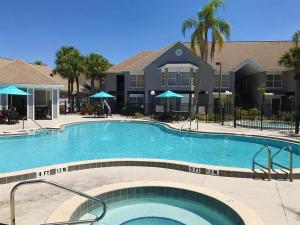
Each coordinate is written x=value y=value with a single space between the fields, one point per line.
x=19 y=72
x=263 y=53
x=138 y=61
x=4 y=61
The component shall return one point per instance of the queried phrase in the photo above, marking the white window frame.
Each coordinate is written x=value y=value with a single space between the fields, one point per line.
x=136 y=96
x=134 y=79
x=222 y=80
x=273 y=80
x=165 y=78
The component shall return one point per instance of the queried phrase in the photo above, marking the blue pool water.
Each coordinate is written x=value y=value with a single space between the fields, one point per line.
x=105 y=140
x=152 y=221
x=160 y=210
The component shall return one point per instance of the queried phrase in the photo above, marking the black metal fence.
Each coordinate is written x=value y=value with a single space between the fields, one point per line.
x=264 y=117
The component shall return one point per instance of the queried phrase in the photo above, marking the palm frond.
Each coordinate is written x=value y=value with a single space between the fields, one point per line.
x=296 y=37
x=188 y=24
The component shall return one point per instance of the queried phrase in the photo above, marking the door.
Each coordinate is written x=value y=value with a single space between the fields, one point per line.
x=275 y=105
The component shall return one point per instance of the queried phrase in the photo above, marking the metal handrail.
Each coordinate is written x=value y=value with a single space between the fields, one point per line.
x=187 y=120
x=12 y=202
x=268 y=167
x=32 y=121
x=290 y=169
x=194 y=121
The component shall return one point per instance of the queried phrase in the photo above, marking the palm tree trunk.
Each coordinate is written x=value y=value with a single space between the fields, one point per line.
x=77 y=93
x=72 y=96
x=92 y=83
x=100 y=83
x=196 y=92
x=206 y=45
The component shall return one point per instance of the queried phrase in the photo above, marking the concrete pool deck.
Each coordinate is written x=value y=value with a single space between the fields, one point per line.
x=276 y=202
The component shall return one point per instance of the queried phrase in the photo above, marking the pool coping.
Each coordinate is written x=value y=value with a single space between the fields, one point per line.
x=206 y=169
x=65 y=211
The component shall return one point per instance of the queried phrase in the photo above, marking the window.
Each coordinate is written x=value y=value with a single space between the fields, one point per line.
x=136 y=81
x=136 y=99
x=225 y=81
x=273 y=81
x=178 y=79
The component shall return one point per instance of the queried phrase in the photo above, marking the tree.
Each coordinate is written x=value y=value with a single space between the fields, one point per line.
x=291 y=60
x=70 y=64
x=207 y=24
x=39 y=62
x=95 y=65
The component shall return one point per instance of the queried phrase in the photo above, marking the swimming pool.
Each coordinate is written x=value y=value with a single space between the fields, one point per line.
x=107 y=140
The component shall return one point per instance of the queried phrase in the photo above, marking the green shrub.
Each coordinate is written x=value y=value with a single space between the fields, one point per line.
x=138 y=115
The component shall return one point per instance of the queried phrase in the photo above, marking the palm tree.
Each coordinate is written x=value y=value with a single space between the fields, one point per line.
x=296 y=37
x=70 y=64
x=95 y=65
x=291 y=60
x=207 y=24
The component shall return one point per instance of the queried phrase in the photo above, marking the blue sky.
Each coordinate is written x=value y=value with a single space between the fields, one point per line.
x=36 y=29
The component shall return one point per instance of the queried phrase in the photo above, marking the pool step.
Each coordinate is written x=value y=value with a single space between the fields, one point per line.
x=260 y=173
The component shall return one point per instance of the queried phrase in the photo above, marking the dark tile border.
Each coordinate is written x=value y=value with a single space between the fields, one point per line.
x=202 y=169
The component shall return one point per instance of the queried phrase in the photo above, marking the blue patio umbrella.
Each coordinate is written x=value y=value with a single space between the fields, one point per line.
x=167 y=95
x=12 y=90
x=102 y=94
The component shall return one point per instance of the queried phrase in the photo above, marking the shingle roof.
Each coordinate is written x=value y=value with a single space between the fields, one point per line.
x=19 y=72
x=264 y=53
x=4 y=61
x=138 y=61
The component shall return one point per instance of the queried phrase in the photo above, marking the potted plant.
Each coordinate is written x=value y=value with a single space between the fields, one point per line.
x=83 y=111
x=90 y=110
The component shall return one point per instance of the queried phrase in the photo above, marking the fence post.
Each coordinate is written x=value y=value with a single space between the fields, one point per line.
x=234 y=116
x=261 y=117
x=222 y=114
x=297 y=124
x=65 y=107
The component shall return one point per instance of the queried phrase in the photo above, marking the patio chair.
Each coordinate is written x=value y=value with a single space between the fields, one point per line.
x=2 y=117
x=13 y=117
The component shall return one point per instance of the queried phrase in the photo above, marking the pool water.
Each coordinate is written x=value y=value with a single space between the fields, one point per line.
x=159 y=210
x=152 y=221
x=106 y=140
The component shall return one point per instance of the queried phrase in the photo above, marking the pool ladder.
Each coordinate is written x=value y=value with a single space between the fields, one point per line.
x=191 y=122
x=270 y=162
x=12 y=202
x=40 y=130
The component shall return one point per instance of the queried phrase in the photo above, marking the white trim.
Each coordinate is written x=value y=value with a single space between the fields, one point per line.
x=33 y=103
x=248 y=61
x=57 y=104
x=136 y=72
x=52 y=104
x=27 y=99
x=179 y=67
x=274 y=72
x=34 y=86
